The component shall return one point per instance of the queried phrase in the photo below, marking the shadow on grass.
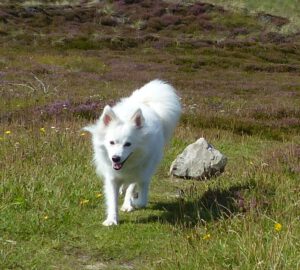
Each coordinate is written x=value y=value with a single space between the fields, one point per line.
x=190 y=209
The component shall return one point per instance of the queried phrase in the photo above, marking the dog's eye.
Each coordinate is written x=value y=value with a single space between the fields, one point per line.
x=127 y=144
x=112 y=142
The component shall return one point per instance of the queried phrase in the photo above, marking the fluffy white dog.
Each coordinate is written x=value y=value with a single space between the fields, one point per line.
x=128 y=141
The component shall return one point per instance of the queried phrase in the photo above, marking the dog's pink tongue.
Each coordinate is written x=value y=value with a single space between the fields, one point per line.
x=117 y=166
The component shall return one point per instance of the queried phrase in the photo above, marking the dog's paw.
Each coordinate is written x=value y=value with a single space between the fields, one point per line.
x=110 y=222
x=127 y=208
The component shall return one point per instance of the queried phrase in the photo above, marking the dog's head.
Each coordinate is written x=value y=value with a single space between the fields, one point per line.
x=120 y=138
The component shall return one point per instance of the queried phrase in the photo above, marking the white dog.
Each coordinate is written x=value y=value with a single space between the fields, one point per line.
x=128 y=142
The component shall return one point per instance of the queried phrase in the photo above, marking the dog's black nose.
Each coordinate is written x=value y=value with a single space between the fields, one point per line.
x=116 y=159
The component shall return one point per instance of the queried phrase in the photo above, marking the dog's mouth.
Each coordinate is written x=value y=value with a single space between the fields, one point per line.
x=118 y=165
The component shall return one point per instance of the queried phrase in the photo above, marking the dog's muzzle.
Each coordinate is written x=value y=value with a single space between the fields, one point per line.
x=117 y=165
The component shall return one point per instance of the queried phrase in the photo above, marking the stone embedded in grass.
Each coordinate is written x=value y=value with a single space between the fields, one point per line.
x=199 y=160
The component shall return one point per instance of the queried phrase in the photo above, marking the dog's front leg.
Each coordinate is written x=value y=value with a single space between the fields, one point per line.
x=111 y=196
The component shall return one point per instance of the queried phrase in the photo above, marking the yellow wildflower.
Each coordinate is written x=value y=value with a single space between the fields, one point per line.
x=7 y=132
x=277 y=227
x=98 y=195
x=189 y=237
x=82 y=134
x=206 y=236
x=84 y=201
x=46 y=217
x=42 y=130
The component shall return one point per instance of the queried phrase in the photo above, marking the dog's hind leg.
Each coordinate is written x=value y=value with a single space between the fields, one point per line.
x=142 y=198
x=127 y=205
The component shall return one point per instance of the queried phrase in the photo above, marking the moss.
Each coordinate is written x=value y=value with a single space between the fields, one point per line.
x=81 y=43
x=236 y=20
x=190 y=64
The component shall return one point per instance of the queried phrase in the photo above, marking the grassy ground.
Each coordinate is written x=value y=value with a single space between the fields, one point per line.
x=239 y=83
x=288 y=9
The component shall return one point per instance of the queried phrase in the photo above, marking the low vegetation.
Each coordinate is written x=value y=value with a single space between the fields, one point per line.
x=238 y=77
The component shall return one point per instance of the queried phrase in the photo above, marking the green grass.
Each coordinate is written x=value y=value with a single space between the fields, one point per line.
x=43 y=218
x=74 y=63
x=241 y=94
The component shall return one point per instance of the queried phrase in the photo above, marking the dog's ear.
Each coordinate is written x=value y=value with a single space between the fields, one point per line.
x=90 y=128
x=108 y=115
x=138 y=119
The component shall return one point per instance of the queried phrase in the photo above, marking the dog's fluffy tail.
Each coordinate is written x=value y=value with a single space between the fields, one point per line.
x=162 y=98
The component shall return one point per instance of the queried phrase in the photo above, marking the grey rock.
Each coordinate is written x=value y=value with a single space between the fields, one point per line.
x=199 y=160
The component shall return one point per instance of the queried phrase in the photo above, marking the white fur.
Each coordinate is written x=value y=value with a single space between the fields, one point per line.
x=134 y=131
